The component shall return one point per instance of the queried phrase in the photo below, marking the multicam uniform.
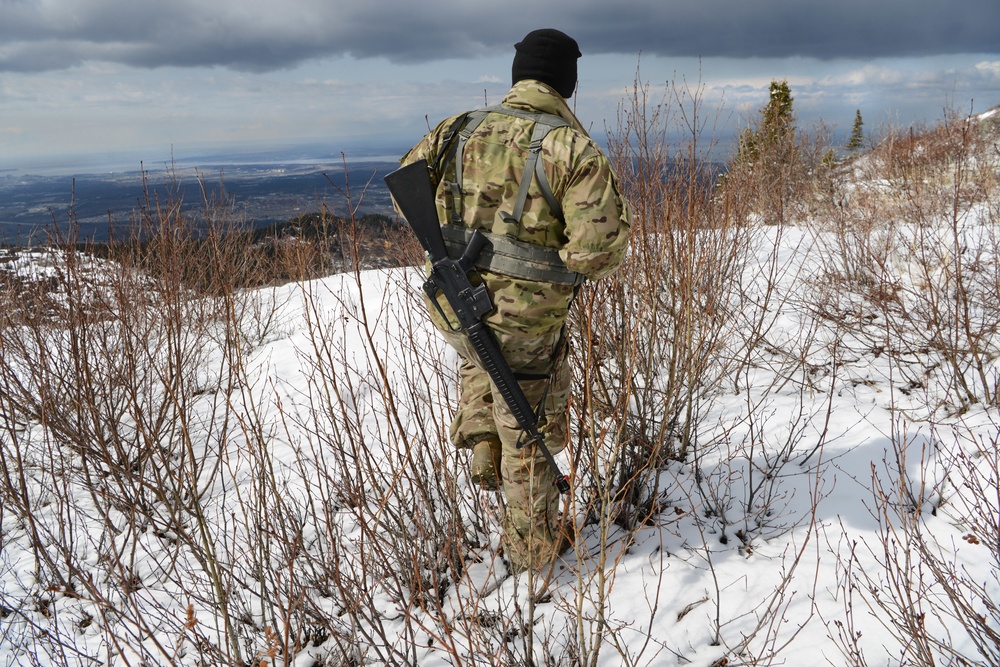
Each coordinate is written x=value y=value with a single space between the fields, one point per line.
x=529 y=314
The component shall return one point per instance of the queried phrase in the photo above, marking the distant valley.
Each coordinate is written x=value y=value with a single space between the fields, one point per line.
x=33 y=206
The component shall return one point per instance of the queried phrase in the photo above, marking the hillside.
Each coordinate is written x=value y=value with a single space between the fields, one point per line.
x=785 y=440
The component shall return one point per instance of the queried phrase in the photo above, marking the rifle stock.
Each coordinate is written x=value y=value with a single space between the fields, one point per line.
x=411 y=189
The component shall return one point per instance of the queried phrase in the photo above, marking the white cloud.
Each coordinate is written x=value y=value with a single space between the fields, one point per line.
x=989 y=70
x=864 y=77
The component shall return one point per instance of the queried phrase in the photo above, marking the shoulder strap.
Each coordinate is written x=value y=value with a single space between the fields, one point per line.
x=473 y=119
x=533 y=167
x=544 y=124
x=448 y=144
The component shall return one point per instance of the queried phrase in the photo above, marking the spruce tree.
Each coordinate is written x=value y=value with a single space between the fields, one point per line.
x=857 y=139
x=777 y=115
x=775 y=126
x=768 y=153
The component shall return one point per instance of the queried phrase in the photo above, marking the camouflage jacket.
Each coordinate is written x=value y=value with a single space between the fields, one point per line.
x=591 y=240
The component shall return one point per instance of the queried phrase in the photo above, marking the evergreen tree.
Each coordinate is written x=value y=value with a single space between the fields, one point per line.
x=768 y=154
x=857 y=139
x=776 y=124
x=777 y=115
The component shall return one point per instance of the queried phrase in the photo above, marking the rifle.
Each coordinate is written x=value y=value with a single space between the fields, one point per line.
x=410 y=187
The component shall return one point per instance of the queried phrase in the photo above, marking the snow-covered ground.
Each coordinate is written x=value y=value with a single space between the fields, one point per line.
x=289 y=497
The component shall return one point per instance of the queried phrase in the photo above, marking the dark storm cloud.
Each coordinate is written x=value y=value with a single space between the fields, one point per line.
x=257 y=35
x=781 y=28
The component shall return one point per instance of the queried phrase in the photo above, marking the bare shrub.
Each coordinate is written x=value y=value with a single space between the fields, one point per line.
x=122 y=430
x=688 y=317
x=930 y=575
x=913 y=245
x=911 y=256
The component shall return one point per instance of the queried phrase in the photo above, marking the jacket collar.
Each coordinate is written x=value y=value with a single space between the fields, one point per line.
x=532 y=95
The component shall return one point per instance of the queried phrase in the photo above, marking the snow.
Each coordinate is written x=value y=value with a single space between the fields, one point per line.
x=315 y=440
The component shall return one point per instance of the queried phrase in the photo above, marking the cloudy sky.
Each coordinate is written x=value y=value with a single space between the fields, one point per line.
x=92 y=81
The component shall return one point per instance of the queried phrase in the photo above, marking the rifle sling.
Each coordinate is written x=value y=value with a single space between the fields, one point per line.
x=513 y=258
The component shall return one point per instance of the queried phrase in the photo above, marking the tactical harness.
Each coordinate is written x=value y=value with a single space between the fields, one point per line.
x=505 y=254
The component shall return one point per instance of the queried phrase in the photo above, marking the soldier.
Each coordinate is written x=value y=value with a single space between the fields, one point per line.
x=526 y=174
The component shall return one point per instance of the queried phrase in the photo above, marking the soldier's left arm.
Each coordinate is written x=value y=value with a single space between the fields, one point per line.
x=597 y=218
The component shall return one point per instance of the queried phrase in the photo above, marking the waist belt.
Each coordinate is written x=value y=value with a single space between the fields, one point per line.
x=513 y=258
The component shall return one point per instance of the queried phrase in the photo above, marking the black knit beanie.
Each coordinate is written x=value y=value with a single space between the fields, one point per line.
x=548 y=56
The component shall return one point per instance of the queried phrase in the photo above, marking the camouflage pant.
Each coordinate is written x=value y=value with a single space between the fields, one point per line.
x=532 y=523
